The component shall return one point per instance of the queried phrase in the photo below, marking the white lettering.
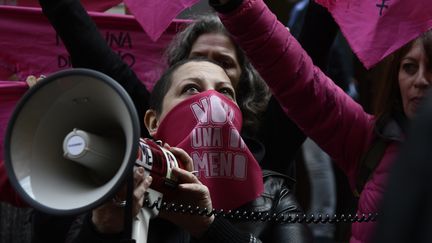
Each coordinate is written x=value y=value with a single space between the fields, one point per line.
x=206 y=137
x=218 y=114
x=221 y=165
x=235 y=140
x=226 y=165
x=200 y=110
x=240 y=166
x=201 y=164
x=214 y=163
x=220 y=111
x=196 y=138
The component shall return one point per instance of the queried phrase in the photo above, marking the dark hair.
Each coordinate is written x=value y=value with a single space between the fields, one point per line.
x=164 y=83
x=252 y=92
x=389 y=101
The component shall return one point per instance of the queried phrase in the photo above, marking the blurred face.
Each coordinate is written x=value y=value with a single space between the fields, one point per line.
x=218 y=47
x=193 y=78
x=415 y=77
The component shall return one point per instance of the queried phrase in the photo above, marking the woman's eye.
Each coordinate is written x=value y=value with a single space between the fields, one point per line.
x=409 y=68
x=227 y=92
x=190 y=89
x=225 y=62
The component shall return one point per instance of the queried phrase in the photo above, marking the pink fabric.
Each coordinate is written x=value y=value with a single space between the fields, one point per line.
x=90 y=5
x=36 y=49
x=209 y=132
x=29 y=46
x=375 y=29
x=156 y=16
x=321 y=109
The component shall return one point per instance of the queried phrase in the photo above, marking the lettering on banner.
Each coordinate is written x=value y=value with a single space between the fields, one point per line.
x=217 y=164
x=221 y=164
x=8 y=2
x=115 y=40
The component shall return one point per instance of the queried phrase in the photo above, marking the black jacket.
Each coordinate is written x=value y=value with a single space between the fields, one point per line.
x=277 y=198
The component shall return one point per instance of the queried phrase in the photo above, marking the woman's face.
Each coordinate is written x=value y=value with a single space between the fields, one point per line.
x=193 y=78
x=415 y=77
x=218 y=47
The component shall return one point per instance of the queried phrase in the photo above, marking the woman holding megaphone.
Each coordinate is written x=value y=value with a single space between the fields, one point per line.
x=193 y=107
x=80 y=37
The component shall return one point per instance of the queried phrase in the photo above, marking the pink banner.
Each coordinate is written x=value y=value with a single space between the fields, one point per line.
x=376 y=28
x=90 y=5
x=156 y=16
x=30 y=45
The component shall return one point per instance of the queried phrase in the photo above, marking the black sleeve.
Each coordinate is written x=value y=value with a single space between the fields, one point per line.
x=287 y=204
x=83 y=231
x=88 y=49
x=225 y=8
x=317 y=34
x=278 y=133
x=281 y=138
x=221 y=230
x=49 y=228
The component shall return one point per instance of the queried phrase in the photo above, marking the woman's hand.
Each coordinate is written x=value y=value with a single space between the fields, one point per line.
x=190 y=191
x=31 y=80
x=109 y=217
x=181 y=156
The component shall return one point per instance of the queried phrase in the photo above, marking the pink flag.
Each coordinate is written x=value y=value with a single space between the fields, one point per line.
x=30 y=46
x=376 y=28
x=156 y=16
x=90 y=5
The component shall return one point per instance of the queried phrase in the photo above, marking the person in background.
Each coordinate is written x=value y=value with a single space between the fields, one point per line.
x=310 y=22
x=265 y=126
x=325 y=112
x=406 y=211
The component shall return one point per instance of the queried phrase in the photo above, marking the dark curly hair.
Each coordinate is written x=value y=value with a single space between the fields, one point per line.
x=252 y=92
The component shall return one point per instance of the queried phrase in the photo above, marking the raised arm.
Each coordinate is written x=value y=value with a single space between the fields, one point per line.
x=88 y=49
x=320 y=108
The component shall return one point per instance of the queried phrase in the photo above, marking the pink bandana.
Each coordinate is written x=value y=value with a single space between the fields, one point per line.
x=207 y=126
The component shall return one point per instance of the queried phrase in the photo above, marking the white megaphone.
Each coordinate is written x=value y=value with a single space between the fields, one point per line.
x=71 y=142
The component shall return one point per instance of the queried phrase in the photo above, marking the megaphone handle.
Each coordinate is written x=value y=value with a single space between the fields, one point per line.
x=142 y=220
x=128 y=221
x=141 y=225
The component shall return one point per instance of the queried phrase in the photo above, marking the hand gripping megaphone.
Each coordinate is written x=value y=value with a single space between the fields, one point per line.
x=44 y=134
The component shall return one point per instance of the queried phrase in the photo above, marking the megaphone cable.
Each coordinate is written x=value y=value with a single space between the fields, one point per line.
x=268 y=216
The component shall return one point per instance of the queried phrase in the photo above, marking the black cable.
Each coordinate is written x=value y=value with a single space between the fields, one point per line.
x=261 y=216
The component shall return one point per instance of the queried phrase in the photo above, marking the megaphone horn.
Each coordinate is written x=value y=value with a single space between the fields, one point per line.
x=71 y=141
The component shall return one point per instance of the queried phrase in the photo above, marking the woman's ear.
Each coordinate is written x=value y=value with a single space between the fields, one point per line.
x=151 y=122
